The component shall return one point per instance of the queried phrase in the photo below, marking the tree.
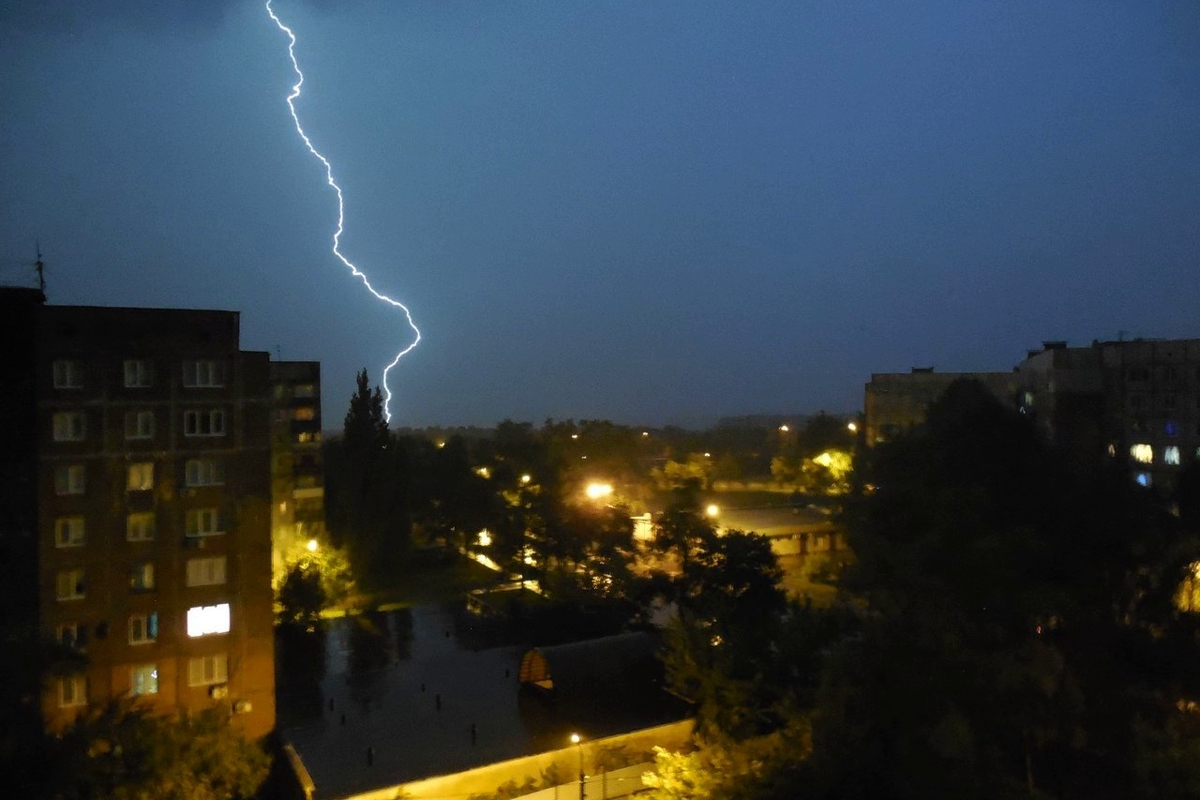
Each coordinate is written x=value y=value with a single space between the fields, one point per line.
x=124 y=752
x=302 y=597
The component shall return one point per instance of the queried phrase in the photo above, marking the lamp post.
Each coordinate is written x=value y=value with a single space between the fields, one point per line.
x=575 y=740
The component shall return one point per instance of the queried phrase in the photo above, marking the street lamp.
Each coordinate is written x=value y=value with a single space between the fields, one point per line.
x=852 y=427
x=312 y=545
x=575 y=740
x=713 y=510
x=597 y=490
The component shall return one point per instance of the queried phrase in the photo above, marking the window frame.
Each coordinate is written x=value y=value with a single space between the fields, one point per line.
x=138 y=430
x=67 y=373
x=70 y=479
x=204 y=373
x=78 y=586
x=149 y=532
x=204 y=665
x=199 y=515
x=75 y=529
x=141 y=577
x=143 y=674
x=143 y=628
x=204 y=423
x=204 y=571
x=146 y=484
x=78 y=691
x=198 y=472
x=140 y=370
x=68 y=426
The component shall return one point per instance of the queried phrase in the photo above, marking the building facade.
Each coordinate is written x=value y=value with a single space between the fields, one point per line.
x=297 y=473
x=149 y=511
x=1133 y=402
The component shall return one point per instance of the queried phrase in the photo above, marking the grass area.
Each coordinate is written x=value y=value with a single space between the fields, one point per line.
x=447 y=578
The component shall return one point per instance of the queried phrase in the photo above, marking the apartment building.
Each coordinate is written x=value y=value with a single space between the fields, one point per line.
x=146 y=513
x=297 y=473
x=1134 y=402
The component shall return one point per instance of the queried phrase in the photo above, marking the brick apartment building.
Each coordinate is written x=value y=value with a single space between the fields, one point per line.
x=135 y=518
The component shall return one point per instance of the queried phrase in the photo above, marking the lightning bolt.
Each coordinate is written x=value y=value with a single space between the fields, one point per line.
x=341 y=215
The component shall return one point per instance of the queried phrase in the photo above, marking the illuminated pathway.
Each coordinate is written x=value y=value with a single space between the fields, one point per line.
x=341 y=212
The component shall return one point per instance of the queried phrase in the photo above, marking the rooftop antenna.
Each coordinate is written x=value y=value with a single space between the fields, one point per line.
x=41 y=268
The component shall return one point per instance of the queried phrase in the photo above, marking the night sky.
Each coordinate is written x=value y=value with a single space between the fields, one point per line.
x=651 y=212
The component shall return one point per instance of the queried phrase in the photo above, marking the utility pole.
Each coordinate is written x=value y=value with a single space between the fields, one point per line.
x=41 y=268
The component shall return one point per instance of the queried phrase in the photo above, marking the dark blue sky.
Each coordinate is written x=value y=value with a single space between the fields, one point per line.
x=644 y=211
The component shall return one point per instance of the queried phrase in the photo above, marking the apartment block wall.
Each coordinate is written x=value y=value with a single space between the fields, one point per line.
x=297 y=471
x=153 y=495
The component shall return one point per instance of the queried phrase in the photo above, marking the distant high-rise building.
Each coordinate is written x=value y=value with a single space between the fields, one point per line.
x=135 y=518
x=297 y=475
x=1136 y=402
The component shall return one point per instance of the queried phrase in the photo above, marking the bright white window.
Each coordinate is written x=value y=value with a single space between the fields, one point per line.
x=204 y=423
x=206 y=571
x=143 y=628
x=68 y=374
x=141 y=577
x=68 y=532
x=69 y=585
x=207 y=670
x=139 y=526
x=69 y=426
x=143 y=679
x=1171 y=456
x=1143 y=479
x=203 y=522
x=141 y=476
x=207 y=620
x=137 y=374
x=204 y=472
x=139 y=424
x=70 y=479
x=1142 y=453
x=203 y=373
x=72 y=691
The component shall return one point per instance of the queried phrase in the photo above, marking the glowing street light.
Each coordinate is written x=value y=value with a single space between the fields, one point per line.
x=526 y=478
x=852 y=426
x=577 y=741
x=784 y=429
x=485 y=538
x=312 y=545
x=712 y=510
x=595 y=491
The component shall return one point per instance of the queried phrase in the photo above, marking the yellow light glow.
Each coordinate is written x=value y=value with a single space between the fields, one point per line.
x=852 y=427
x=312 y=545
x=1142 y=453
x=784 y=429
x=708 y=455
x=526 y=478
x=712 y=510
x=824 y=459
x=485 y=538
x=575 y=738
x=574 y=435
x=483 y=472
x=441 y=445
x=645 y=434
x=597 y=490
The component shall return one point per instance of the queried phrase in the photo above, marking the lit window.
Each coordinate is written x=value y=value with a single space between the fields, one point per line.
x=69 y=426
x=1112 y=450
x=308 y=436
x=304 y=414
x=68 y=375
x=1171 y=456
x=141 y=578
x=206 y=571
x=137 y=374
x=72 y=691
x=68 y=585
x=139 y=526
x=204 y=423
x=139 y=424
x=204 y=472
x=67 y=634
x=203 y=522
x=207 y=620
x=143 y=679
x=203 y=374
x=1143 y=479
x=207 y=670
x=70 y=479
x=143 y=628
x=141 y=476
x=68 y=532
x=1142 y=453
